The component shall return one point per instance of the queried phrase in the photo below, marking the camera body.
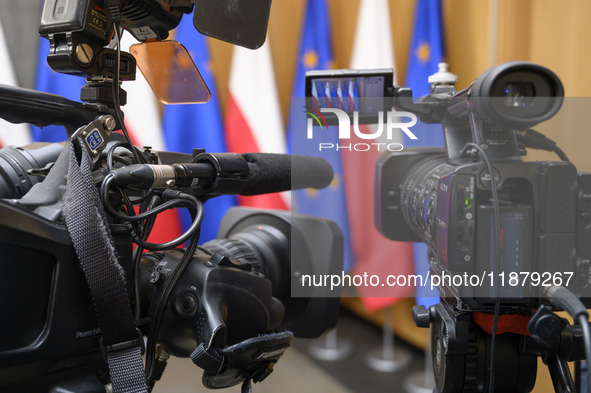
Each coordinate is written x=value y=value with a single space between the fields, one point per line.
x=234 y=288
x=442 y=197
x=447 y=206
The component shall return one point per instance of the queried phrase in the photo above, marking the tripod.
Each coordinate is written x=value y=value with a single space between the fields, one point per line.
x=461 y=343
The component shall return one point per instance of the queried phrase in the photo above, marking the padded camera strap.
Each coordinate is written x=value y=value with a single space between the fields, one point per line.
x=87 y=224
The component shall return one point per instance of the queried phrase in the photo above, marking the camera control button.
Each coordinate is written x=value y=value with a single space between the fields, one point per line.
x=156 y=278
x=187 y=305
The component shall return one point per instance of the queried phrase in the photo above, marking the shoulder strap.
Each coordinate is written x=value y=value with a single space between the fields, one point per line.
x=86 y=222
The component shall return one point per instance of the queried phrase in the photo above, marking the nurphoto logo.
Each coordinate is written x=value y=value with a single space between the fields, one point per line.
x=392 y=122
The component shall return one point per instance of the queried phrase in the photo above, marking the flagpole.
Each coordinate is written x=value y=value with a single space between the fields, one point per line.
x=387 y=358
x=330 y=348
x=422 y=381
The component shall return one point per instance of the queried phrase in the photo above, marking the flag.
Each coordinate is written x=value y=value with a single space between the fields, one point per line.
x=198 y=126
x=315 y=97
x=144 y=125
x=341 y=100
x=426 y=52
x=373 y=253
x=49 y=81
x=316 y=52
x=10 y=134
x=142 y=114
x=253 y=116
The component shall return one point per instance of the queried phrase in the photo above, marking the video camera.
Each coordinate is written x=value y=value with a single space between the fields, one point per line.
x=508 y=240
x=76 y=298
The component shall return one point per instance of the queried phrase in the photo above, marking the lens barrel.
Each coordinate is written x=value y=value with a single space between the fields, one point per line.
x=15 y=162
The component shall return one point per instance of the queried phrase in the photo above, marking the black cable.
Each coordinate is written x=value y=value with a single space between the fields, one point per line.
x=136 y=272
x=536 y=140
x=129 y=147
x=105 y=186
x=137 y=257
x=163 y=301
x=584 y=323
x=115 y=89
x=497 y=218
x=133 y=221
x=173 y=243
x=560 y=154
x=566 y=300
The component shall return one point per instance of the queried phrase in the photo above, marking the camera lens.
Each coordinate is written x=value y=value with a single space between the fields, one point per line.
x=518 y=94
x=419 y=193
x=15 y=162
x=265 y=247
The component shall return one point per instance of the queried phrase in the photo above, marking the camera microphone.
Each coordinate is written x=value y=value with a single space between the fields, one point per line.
x=282 y=172
x=229 y=173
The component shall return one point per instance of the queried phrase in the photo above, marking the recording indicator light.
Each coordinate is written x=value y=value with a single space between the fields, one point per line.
x=467 y=202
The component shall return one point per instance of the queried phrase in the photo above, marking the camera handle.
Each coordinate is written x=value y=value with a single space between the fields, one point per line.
x=18 y=105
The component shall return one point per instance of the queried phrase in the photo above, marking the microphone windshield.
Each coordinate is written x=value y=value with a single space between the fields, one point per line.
x=282 y=172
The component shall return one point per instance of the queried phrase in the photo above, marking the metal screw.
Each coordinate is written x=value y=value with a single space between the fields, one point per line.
x=84 y=53
x=109 y=123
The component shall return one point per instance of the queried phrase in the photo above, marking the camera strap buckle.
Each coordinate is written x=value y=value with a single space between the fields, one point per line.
x=138 y=342
x=95 y=135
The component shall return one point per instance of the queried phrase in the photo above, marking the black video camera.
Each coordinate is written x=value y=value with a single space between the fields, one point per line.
x=504 y=236
x=227 y=304
x=444 y=199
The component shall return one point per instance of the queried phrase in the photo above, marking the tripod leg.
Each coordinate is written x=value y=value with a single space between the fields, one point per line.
x=560 y=374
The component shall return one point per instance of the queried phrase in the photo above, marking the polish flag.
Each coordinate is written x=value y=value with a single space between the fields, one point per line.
x=253 y=117
x=340 y=101
x=142 y=114
x=144 y=124
x=10 y=134
x=374 y=254
x=328 y=95
x=315 y=98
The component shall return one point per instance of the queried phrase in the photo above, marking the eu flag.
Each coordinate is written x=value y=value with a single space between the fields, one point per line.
x=52 y=82
x=316 y=53
x=198 y=126
x=426 y=54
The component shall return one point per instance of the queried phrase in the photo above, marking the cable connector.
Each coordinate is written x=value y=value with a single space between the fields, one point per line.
x=535 y=140
x=169 y=194
x=469 y=152
x=566 y=300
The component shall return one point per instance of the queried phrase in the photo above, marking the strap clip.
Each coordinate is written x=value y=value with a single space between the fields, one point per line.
x=138 y=342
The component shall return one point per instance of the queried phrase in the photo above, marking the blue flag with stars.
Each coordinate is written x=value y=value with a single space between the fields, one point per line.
x=53 y=82
x=198 y=126
x=426 y=54
x=316 y=53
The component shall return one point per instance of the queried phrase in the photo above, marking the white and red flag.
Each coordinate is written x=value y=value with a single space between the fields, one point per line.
x=374 y=254
x=144 y=124
x=253 y=118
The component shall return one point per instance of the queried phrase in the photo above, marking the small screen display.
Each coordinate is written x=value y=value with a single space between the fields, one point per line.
x=362 y=94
